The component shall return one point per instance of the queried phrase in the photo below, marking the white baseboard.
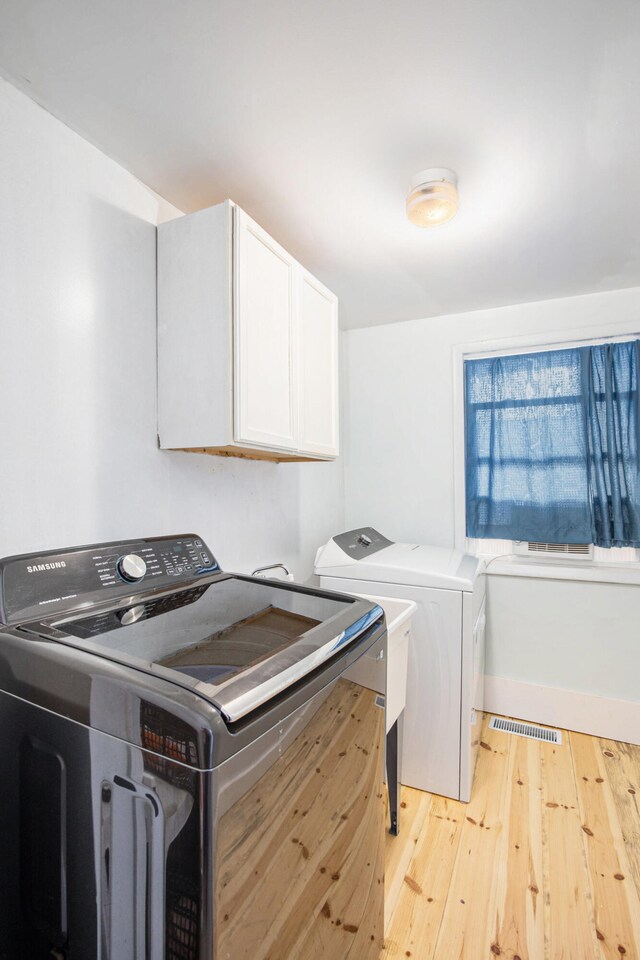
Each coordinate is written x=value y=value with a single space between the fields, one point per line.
x=554 y=707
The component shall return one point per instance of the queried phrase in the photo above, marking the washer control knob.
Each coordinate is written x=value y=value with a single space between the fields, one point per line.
x=131 y=567
x=131 y=615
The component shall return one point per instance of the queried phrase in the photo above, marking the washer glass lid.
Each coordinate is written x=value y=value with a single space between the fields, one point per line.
x=208 y=632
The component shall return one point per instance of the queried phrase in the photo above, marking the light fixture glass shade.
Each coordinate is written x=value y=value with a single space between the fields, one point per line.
x=433 y=198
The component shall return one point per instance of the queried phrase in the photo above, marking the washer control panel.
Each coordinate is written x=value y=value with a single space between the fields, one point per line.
x=38 y=585
x=176 y=558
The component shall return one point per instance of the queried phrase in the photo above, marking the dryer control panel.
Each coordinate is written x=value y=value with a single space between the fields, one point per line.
x=361 y=542
x=34 y=586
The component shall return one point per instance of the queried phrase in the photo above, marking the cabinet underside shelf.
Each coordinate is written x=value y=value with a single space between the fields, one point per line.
x=247 y=453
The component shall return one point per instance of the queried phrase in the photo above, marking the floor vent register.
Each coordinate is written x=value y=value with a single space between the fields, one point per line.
x=527 y=730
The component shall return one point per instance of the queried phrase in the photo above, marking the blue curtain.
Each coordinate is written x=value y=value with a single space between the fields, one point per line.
x=611 y=408
x=551 y=446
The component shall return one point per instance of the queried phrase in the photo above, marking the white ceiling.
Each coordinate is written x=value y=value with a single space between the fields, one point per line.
x=314 y=114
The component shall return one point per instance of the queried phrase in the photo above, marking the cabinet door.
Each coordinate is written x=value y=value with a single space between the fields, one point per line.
x=264 y=348
x=318 y=363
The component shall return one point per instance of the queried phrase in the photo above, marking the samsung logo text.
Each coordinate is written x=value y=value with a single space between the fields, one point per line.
x=39 y=567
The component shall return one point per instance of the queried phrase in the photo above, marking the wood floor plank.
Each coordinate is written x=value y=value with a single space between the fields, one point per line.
x=621 y=762
x=416 y=920
x=399 y=851
x=569 y=917
x=470 y=925
x=519 y=903
x=615 y=896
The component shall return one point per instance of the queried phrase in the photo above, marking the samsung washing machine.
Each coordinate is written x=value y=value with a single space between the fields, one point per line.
x=192 y=761
x=446 y=655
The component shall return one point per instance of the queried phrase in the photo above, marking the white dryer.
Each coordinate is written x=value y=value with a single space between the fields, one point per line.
x=446 y=654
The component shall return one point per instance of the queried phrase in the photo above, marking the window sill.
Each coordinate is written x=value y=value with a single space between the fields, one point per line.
x=546 y=569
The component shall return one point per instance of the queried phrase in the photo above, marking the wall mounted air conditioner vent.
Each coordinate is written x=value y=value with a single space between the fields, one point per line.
x=570 y=551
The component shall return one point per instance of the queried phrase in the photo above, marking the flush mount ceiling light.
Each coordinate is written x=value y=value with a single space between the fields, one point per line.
x=433 y=198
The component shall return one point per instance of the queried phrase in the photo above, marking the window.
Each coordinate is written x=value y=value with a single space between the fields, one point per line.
x=552 y=446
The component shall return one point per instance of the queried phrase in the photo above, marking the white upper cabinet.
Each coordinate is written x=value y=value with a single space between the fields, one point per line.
x=264 y=338
x=247 y=343
x=318 y=367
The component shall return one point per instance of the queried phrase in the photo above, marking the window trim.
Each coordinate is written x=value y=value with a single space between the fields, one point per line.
x=502 y=347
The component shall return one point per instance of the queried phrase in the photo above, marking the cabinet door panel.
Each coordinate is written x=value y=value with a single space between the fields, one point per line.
x=318 y=331
x=264 y=331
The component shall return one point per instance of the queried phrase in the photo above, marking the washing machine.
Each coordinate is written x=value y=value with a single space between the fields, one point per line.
x=192 y=769
x=446 y=655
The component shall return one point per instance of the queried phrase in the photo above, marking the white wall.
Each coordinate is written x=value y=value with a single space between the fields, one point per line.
x=569 y=634
x=399 y=476
x=79 y=457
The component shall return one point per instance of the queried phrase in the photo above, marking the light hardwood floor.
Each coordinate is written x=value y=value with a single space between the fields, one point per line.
x=543 y=864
